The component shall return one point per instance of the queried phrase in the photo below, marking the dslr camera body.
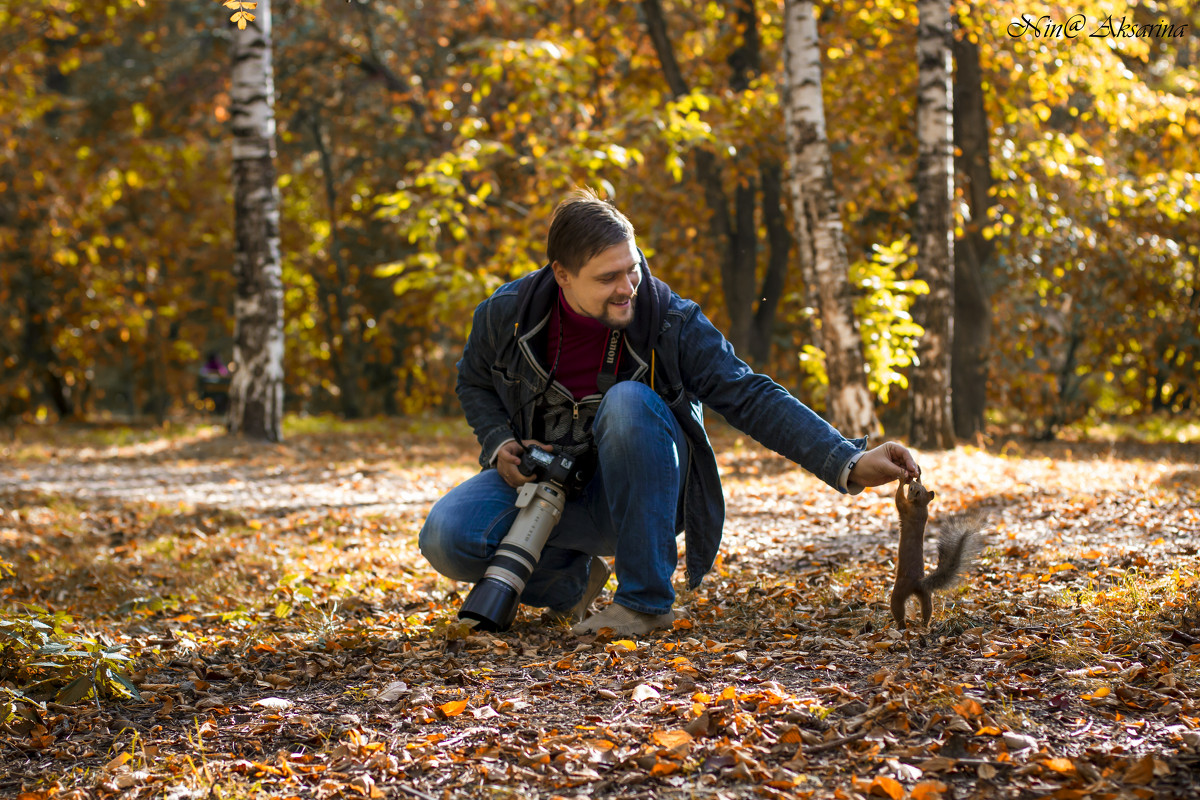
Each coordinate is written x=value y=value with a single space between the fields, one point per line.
x=492 y=603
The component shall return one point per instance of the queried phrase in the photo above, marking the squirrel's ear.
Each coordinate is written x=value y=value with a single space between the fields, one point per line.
x=932 y=494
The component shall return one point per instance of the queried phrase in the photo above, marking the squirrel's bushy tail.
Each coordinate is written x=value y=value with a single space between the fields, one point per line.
x=959 y=543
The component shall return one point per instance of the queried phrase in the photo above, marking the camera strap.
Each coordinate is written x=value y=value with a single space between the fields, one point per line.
x=605 y=380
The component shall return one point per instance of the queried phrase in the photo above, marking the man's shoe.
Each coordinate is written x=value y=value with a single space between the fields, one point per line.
x=598 y=574
x=625 y=622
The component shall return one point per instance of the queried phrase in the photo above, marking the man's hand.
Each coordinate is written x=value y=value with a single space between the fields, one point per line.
x=508 y=459
x=883 y=464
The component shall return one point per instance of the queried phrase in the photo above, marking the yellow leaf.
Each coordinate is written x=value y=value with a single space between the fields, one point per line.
x=255 y=525
x=453 y=708
x=622 y=644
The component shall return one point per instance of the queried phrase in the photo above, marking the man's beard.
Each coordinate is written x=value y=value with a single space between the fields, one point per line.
x=619 y=325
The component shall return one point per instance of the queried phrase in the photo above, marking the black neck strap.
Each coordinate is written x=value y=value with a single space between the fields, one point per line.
x=612 y=362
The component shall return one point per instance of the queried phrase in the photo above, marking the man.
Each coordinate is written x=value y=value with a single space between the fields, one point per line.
x=594 y=357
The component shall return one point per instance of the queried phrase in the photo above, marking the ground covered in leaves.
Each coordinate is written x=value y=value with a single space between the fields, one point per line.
x=285 y=638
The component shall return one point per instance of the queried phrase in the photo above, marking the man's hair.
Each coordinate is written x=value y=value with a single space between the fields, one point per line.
x=583 y=227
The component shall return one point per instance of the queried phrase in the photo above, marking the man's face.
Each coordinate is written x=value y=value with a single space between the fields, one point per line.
x=605 y=286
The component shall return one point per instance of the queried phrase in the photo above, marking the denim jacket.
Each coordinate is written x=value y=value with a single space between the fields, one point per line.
x=685 y=359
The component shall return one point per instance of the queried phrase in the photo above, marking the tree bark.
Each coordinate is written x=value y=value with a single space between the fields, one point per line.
x=932 y=422
x=973 y=253
x=256 y=390
x=819 y=224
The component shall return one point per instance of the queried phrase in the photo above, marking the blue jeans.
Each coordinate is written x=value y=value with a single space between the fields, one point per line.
x=630 y=509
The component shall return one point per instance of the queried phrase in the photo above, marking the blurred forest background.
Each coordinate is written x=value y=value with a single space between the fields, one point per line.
x=422 y=145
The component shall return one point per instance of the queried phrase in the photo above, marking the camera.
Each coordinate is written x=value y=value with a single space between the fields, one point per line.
x=492 y=603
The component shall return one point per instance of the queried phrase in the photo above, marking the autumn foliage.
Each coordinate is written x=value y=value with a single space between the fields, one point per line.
x=422 y=146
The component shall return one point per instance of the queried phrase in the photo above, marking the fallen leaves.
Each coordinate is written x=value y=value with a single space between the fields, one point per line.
x=330 y=668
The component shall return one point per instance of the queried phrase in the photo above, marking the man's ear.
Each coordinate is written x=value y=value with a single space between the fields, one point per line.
x=560 y=274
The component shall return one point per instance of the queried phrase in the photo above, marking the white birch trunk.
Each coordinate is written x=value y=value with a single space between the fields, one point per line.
x=256 y=390
x=819 y=225
x=932 y=411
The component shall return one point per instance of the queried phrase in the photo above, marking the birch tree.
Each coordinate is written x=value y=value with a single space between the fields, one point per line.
x=256 y=390
x=818 y=224
x=932 y=424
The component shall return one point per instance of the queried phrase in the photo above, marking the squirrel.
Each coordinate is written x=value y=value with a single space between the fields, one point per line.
x=958 y=545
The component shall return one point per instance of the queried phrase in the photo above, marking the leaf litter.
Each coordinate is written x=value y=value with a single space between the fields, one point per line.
x=287 y=639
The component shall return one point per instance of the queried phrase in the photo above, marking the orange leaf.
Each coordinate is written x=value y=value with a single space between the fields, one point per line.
x=453 y=708
x=969 y=708
x=791 y=736
x=663 y=768
x=884 y=786
x=1141 y=772
x=669 y=740
x=928 y=790
x=682 y=624
x=728 y=693
x=1062 y=765
x=118 y=761
x=988 y=730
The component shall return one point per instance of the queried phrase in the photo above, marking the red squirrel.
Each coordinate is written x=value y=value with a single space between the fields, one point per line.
x=957 y=548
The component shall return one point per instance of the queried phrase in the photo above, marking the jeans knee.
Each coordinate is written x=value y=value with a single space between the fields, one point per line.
x=628 y=410
x=447 y=549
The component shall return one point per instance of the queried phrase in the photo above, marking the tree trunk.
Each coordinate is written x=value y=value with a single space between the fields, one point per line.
x=736 y=234
x=345 y=336
x=779 y=240
x=973 y=253
x=932 y=423
x=256 y=390
x=819 y=224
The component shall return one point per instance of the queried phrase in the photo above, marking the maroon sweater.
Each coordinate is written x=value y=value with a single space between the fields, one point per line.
x=583 y=343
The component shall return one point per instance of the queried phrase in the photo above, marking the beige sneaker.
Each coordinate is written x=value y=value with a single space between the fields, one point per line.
x=598 y=574
x=625 y=622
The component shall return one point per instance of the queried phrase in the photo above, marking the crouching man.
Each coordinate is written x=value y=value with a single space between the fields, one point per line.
x=594 y=357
